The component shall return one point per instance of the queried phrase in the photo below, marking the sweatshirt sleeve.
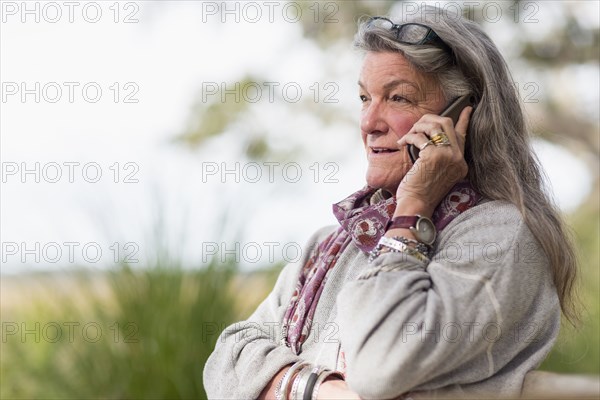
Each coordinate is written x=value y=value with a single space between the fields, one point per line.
x=485 y=300
x=249 y=353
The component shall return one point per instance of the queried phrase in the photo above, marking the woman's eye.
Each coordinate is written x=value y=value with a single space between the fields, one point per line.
x=363 y=98
x=398 y=98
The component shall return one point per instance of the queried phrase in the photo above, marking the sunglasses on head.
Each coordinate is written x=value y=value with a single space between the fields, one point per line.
x=411 y=33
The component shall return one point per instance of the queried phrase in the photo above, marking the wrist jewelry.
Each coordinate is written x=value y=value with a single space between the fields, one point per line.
x=285 y=382
x=304 y=379
x=415 y=244
x=322 y=376
x=396 y=246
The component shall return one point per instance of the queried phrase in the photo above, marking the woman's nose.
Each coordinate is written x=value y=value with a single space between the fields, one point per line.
x=371 y=120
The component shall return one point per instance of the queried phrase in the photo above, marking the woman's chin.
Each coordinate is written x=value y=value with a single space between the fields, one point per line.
x=374 y=183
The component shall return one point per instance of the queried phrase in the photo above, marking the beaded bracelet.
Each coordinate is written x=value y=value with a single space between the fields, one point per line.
x=278 y=387
x=296 y=383
x=278 y=394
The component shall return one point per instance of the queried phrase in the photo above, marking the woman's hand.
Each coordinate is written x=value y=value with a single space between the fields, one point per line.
x=335 y=389
x=438 y=168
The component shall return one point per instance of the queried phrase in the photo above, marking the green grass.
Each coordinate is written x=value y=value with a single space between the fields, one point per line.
x=158 y=328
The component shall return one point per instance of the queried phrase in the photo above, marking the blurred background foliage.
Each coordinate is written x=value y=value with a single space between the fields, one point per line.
x=135 y=334
x=160 y=323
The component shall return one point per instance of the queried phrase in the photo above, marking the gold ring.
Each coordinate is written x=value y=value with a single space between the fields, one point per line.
x=440 y=139
x=427 y=143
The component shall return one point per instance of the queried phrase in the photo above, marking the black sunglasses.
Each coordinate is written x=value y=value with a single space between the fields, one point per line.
x=411 y=33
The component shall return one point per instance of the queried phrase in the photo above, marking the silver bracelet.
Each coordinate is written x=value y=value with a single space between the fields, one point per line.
x=285 y=382
x=280 y=384
x=304 y=379
x=278 y=387
x=322 y=376
x=396 y=246
x=419 y=246
x=393 y=244
x=300 y=382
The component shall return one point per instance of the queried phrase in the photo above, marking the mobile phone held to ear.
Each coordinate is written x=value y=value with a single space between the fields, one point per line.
x=452 y=111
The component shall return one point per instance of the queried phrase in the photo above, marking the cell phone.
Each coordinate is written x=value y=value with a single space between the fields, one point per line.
x=452 y=111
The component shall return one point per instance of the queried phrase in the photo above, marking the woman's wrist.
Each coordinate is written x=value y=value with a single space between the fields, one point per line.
x=408 y=206
x=413 y=206
x=301 y=381
x=407 y=233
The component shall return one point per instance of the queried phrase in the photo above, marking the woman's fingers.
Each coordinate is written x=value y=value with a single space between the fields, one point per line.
x=431 y=125
x=462 y=125
x=417 y=138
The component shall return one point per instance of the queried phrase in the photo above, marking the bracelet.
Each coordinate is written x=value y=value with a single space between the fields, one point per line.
x=305 y=379
x=419 y=246
x=311 y=378
x=285 y=382
x=299 y=386
x=396 y=246
x=295 y=384
x=278 y=387
x=280 y=384
x=322 y=376
x=310 y=385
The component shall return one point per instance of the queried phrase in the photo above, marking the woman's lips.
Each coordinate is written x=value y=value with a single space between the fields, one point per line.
x=383 y=150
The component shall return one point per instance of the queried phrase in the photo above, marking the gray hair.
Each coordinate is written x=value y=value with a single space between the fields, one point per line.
x=502 y=165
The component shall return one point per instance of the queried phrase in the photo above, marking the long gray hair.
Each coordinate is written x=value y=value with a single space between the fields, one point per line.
x=501 y=164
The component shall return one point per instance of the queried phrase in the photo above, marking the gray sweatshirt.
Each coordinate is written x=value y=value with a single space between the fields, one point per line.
x=472 y=322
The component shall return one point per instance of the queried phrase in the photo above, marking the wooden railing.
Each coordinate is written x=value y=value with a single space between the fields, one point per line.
x=550 y=385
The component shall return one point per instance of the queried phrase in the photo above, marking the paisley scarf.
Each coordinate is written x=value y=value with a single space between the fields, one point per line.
x=363 y=218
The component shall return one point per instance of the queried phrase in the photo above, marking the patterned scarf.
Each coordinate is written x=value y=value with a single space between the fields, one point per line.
x=363 y=218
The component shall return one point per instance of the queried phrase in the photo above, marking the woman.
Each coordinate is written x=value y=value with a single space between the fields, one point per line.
x=446 y=276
